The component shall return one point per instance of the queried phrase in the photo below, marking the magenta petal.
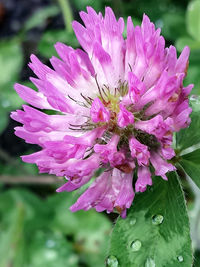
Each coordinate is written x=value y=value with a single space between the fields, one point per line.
x=93 y=194
x=32 y=97
x=124 y=117
x=98 y=112
x=161 y=166
x=144 y=179
x=139 y=151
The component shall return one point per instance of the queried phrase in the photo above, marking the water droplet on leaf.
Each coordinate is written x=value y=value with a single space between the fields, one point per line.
x=180 y=258
x=136 y=245
x=193 y=97
x=112 y=261
x=50 y=243
x=150 y=263
x=157 y=219
x=5 y=103
x=133 y=221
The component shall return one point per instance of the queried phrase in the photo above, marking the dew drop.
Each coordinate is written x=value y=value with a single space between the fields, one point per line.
x=150 y=263
x=5 y=103
x=157 y=219
x=193 y=97
x=112 y=261
x=136 y=245
x=133 y=221
x=50 y=243
x=180 y=258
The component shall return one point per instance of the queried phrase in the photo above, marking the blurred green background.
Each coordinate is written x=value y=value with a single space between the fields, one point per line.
x=36 y=227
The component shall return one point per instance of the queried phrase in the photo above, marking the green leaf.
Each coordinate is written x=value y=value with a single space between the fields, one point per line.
x=90 y=229
x=3 y=121
x=48 y=249
x=10 y=65
x=194 y=213
x=173 y=25
x=10 y=62
x=195 y=103
x=10 y=100
x=194 y=157
x=16 y=167
x=11 y=238
x=36 y=233
x=12 y=214
x=191 y=164
x=190 y=136
x=193 y=19
x=25 y=237
x=156 y=230
x=81 y=5
x=49 y=38
x=40 y=16
x=183 y=41
x=35 y=212
x=196 y=258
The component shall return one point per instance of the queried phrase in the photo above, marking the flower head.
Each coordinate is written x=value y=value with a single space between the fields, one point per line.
x=117 y=103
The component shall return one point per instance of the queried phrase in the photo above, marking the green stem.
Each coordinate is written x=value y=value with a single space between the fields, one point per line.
x=67 y=14
x=16 y=233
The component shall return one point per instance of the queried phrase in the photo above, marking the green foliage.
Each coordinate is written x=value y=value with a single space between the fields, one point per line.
x=188 y=143
x=81 y=5
x=191 y=164
x=49 y=38
x=183 y=41
x=3 y=120
x=89 y=228
x=156 y=231
x=197 y=259
x=16 y=167
x=193 y=19
x=173 y=25
x=190 y=136
x=193 y=75
x=10 y=62
x=193 y=156
x=40 y=16
x=195 y=103
x=10 y=65
x=16 y=210
x=35 y=232
x=191 y=38
x=52 y=249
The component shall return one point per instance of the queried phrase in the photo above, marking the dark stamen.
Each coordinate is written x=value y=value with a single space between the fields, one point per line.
x=99 y=89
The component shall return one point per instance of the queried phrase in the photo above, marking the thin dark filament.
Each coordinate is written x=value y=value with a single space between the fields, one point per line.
x=106 y=87
x=130 y=67
x=86 y=99
x=99 y=89
x=81 y=125
x=78 y=102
